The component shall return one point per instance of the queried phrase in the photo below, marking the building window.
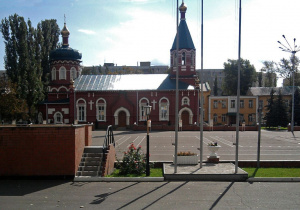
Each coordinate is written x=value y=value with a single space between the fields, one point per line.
x=183 y=59
x=223 y=117
x=185 y=101
x=223 y=104
x=250 y=117
x=58 y=118
x=215 y=104
x=261 y=103
x=192 y=58
x=73 y=75
x=215 y=118
x=62 y=73
x=232 y=104
x=286 y=102
x=250 y=103
x=163 y=109
x=241 y=103
x=142 y=104
x=53 y=74
x=101 y=109
x=81 y=110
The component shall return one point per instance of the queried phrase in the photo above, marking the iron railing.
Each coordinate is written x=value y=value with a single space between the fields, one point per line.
x=109 y=138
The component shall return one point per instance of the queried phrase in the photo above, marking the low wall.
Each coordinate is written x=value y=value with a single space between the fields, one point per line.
x=53 y=150
x=110 y=157
x=296 y=128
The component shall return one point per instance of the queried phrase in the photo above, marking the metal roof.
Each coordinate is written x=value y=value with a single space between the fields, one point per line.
x=185 y=38
x=127 y=82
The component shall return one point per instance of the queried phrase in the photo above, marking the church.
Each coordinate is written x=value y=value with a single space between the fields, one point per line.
x=119 y=100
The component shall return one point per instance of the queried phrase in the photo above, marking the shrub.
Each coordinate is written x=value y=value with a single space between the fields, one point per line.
x=186 y=153
x=134 y=161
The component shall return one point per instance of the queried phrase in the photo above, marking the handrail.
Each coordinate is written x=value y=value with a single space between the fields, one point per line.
x=109 y=138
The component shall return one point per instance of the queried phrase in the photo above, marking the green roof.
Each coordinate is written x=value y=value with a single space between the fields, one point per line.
x=185 y=38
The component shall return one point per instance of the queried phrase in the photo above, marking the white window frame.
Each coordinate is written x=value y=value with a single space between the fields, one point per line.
x=183 y=58
x=81 y=107
x=73 y=75
x=215 y=118
x=185 y=101
x=232 y=104
x=53 y=73
x=62 y=73
x=242 y=103
x=142 y=103
x=56 y=115
x=164 y=103
x=223 y=117
x=223 y=104
x=101 y=102
x=250 y=103
x=215 y=104
x=250 y=117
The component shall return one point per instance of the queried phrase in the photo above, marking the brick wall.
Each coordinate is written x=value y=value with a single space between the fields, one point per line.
x=108 y=166
x=41 y=150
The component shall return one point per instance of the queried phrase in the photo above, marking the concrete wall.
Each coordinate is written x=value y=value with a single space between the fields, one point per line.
x=42 y=150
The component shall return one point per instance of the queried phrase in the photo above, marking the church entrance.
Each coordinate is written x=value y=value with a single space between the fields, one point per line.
x=185 y=117
x=122 y=119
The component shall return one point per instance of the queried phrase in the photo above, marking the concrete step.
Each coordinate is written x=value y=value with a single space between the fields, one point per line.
x=88 y=168
x=90 y=163
x=92 y=154
x=93 y=149
x=89 y=159
x=87 y=173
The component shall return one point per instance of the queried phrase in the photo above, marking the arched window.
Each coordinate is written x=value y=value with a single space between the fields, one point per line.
x=185 y=101
x=192 y=58
x=101 y=109
x=58 y=118
x=81 y=109
x=62 y=73
x=183 y=59
x=73 y=75
x=53 y=74
x=143 y=102
x=164 y=109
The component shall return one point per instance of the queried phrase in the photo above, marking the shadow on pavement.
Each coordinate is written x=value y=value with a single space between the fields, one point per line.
x=221 y=196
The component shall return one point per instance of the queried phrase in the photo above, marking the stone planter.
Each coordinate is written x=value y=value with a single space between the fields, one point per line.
x=186 y=160
x=213 y=151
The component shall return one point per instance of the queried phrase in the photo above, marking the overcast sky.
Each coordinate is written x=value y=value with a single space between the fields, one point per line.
x=129 y=31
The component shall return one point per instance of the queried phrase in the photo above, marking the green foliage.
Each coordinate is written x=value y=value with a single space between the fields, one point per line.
x=27 y=57
x=247 y=77
x=285 y=68
x=297 y=107
x=154 y=172
x=216 y=86
x=134 y=161
x=273 y=172
x=270 y=75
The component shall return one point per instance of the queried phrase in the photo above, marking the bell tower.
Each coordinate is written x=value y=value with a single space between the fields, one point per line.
x=186 y=51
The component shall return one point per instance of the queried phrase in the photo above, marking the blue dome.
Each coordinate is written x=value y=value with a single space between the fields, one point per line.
x=65 y=53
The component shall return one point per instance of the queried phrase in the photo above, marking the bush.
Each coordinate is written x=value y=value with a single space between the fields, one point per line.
x=134 y=161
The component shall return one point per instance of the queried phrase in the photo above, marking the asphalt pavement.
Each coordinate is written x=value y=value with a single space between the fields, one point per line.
x=56 y=194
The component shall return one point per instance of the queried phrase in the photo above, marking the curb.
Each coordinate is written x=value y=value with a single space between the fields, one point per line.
x=273 y=179
x=118 y=179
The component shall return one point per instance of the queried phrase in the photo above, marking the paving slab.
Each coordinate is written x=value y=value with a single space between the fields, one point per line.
x=208 y=172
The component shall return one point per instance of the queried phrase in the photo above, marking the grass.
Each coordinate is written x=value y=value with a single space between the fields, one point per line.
x=273 y=172
x=154 y=172
x=274 y=128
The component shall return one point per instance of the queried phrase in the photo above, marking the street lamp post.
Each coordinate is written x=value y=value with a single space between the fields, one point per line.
x=147 y=112
x=291 y=49
x=259 y=110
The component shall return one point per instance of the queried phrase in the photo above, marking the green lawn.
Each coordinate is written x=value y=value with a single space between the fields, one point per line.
x=273 y=172
x=154 y=172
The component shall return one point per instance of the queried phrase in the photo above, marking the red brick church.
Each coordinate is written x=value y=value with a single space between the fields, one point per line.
x=119 y=100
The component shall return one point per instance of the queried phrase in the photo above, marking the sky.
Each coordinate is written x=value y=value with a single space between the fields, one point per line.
x=126 y=32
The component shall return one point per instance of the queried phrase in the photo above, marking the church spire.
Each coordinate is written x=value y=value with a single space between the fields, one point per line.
x=182 y=10
x=65 y=34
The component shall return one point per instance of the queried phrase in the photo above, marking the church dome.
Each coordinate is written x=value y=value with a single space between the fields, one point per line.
x=65 y=53
x=182 y=7
x=65 y=31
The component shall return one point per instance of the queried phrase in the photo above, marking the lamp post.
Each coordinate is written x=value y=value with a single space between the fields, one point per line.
x=292 y=50
x=147 y=112
x=259 y=110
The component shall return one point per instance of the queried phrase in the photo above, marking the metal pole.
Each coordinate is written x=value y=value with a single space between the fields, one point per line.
x=293 y=94
x=148 y=149
x=259 y=136
x=177 y=94
x=238 y=93
x=202 y=98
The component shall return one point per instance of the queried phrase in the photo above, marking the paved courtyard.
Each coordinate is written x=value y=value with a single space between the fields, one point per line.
x=275 y=145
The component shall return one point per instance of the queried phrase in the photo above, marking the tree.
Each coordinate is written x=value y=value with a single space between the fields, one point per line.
x=270 y=78
x=11 y=107
x=216 y=86
x=285 y=68
x=271 y=115
x=281 y=111
x=297 y=107
x=27 y=57
x=248 y=76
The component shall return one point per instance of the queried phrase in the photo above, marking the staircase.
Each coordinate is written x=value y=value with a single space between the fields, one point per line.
x=91 y=162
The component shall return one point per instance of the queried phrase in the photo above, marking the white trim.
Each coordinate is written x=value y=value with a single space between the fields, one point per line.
x=81 y=105
x=53 y=73
x=97 y=109
x=62 y=87
x=62 y=73
x=73 y=73
x=182 y=101
x=141 y=106
x=55 y=118
x=189 y=111
x=168 y=107
x=51 y=90
x=116 y=115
